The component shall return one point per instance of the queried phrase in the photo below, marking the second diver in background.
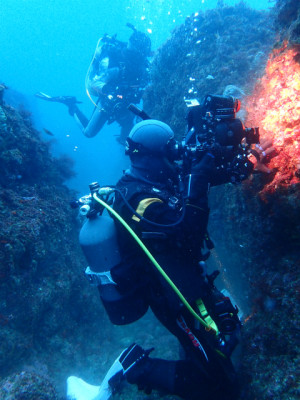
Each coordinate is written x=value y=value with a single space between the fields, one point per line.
x=117 y=77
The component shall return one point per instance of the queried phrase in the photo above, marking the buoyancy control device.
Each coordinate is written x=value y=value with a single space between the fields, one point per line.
x=98 y=239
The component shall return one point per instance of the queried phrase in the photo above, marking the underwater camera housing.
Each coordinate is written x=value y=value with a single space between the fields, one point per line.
x=219 y=107
x=213 y=126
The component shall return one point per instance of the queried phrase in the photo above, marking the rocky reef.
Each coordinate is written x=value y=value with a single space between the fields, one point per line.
x=255 y=225
x=52 y=324
x=51 y=321
x=45 y=303
x=27 y=386
x=211 y=50
x=288 y=21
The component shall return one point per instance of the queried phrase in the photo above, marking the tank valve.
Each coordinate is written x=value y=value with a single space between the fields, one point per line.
x=84 y=210
x=94 y=187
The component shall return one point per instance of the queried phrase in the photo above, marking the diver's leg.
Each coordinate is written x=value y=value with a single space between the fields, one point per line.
x=202 y=366
x=96 y=123
x=180 y=378
x=69 y=101
x=92 y=127
x=79 y=117
x=126 y=126
x=136 y=367
x=89 y=128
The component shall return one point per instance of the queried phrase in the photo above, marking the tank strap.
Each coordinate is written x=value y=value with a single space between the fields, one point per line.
x=132 y=190
x=205 y=316
x=99 y=278
x=143 y=204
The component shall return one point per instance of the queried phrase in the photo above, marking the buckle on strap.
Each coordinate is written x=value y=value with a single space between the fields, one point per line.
x=204 y=314
x=99 y=278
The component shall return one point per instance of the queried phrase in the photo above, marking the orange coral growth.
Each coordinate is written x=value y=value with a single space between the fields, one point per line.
x=275 y=108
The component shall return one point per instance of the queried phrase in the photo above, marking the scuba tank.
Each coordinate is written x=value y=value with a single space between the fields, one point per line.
x=98 y=236
x=98 y=241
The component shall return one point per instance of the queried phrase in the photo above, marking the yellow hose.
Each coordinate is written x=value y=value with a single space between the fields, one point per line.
x=155 y=263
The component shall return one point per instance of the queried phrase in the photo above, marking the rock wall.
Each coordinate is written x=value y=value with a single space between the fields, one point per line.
x=51 y=323
x=256 y=234
x=223 y=46
x=46 y=306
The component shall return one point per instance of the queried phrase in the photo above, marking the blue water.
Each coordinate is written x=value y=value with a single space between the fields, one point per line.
x=47 y=46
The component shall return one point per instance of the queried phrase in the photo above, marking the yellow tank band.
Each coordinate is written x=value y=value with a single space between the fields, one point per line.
x=143 y=205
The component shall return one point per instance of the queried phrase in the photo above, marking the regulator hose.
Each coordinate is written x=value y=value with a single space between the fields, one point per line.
x=147 y=220
x=155 y=263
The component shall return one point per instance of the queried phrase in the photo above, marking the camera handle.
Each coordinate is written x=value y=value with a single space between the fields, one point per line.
x=137 y=111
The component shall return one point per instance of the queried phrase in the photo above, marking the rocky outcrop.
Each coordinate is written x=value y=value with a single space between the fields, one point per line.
x=45 y=302
x=256 y=231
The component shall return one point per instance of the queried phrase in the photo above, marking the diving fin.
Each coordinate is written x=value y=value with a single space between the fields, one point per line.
x=67 y=100
x=125 y=364
x=78 y=389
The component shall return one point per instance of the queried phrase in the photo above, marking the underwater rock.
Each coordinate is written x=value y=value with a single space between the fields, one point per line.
x=27 y=386
x=46 y=305
x=3 y=119
x=234 y=91
x=219 y=43
x=288 y=21
x=256 y=233
x=267 y=266
x=3 y=87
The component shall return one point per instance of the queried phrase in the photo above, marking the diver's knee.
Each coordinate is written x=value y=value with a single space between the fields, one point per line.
x=89 y=135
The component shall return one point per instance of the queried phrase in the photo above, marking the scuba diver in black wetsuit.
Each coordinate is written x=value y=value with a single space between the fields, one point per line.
x=117 y=76
x=165 y=206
